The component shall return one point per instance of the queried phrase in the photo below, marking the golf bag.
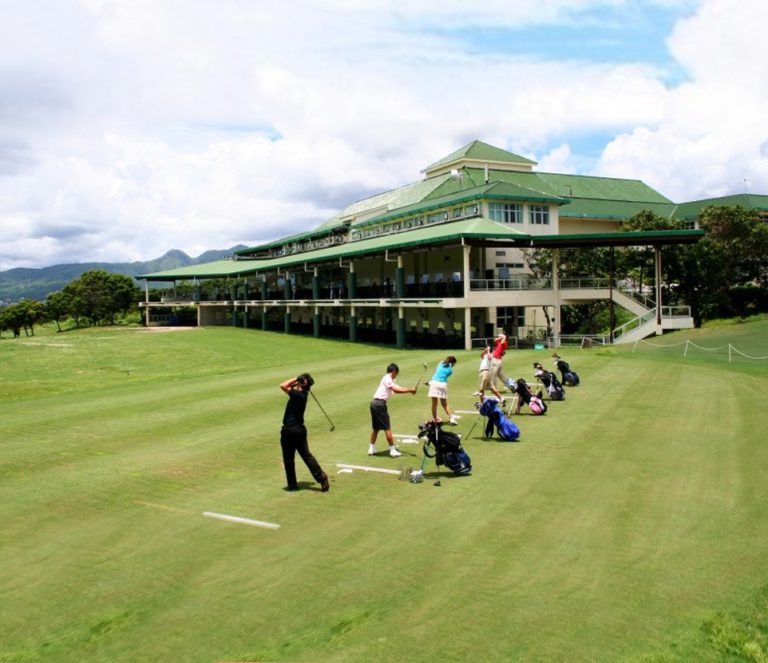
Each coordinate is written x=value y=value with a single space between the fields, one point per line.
x=527 y=397
x=570 y=377
x=551 y=384
x=447 y=448
x=505 y=427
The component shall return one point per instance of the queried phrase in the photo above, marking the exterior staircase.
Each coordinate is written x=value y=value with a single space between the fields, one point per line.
x=644 y=324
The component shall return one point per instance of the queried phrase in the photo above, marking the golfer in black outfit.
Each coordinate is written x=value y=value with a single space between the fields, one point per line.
x=293 y=435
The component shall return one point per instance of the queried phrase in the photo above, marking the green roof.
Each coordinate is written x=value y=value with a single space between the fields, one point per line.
x=611 y=209
x=477 y=228
x=602 y=188
x=497 y=190
x=389 y=200
x=692 y=210
x=208 y=270
x=479 y=151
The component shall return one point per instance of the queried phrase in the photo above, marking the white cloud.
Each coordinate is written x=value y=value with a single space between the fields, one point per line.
x=709 y=139
x=130 y=128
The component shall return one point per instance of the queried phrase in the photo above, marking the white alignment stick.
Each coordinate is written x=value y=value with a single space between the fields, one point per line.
x=243 y=521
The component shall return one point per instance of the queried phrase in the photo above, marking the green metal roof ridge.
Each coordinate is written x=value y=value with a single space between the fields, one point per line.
x=479 y=151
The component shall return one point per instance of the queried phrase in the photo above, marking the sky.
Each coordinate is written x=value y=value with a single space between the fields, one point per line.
x=132 y=127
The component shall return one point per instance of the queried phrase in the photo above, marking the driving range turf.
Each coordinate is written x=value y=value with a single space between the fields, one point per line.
x=628 y=524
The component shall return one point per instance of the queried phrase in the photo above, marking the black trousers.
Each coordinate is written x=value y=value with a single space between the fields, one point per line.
x=293 y=440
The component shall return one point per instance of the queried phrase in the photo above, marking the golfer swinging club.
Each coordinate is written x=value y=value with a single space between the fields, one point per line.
x=379 y=412
x=293 y=435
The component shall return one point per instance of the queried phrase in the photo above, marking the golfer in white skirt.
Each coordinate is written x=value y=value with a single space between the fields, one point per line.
x=438 y=389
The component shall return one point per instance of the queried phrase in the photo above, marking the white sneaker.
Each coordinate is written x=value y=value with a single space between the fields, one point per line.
x=477 y=393
x=372 y=450
x=394 y=452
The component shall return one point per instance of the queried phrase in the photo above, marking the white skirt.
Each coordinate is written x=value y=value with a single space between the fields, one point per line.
x=438 y=389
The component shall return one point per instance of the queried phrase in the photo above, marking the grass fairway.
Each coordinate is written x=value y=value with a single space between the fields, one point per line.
x=628 y=524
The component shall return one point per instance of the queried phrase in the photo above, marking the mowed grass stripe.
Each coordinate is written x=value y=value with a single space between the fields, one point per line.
x=622 y=519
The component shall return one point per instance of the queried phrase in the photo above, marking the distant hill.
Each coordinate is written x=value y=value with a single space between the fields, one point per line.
x=26 y=283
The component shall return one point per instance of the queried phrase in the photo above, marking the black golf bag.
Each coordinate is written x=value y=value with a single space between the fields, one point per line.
x=551 y=384
x=570 y=377
x=505 y=427
x=447 y=448
x=534 y=402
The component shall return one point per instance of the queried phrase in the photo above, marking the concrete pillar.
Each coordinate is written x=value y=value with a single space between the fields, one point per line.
x=316 y=284
x=399 y=280
x=353 y=324
x=352 y=283
x=465 y=254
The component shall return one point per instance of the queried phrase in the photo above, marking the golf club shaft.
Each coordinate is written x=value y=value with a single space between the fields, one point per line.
x=423 y=373
x=323 y=411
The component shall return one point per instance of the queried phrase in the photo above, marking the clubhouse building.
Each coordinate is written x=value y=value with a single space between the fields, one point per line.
x=441 y=262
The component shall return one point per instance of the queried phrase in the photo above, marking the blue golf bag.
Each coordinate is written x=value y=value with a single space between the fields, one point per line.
x=495 y=417
x=447 y=448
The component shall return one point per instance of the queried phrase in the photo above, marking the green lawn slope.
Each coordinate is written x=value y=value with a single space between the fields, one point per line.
x=628 y=524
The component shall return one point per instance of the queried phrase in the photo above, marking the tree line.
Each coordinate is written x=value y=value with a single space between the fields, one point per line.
x=96 y=297
x=724 y=275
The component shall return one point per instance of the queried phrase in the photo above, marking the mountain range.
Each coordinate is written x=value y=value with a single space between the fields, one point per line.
x=38 y=283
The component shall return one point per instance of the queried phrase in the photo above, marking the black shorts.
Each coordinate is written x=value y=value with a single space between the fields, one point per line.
x=379 y=415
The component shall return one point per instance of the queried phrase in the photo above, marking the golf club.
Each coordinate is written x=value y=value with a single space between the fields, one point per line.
x=423 y=373
x=333 y=428
x=475 y=424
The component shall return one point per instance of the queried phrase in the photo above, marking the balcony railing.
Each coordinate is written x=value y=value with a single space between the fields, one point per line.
x=521 y=282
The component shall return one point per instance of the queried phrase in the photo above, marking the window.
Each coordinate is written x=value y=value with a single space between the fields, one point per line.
x=510 y=317
x=505 y=212
x=501 y=253
x=539 y=215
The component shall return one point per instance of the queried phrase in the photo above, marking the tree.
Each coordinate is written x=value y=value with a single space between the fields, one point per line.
x=734 y=252
x=99 y=296
x=22 y=315
x=57 y=307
